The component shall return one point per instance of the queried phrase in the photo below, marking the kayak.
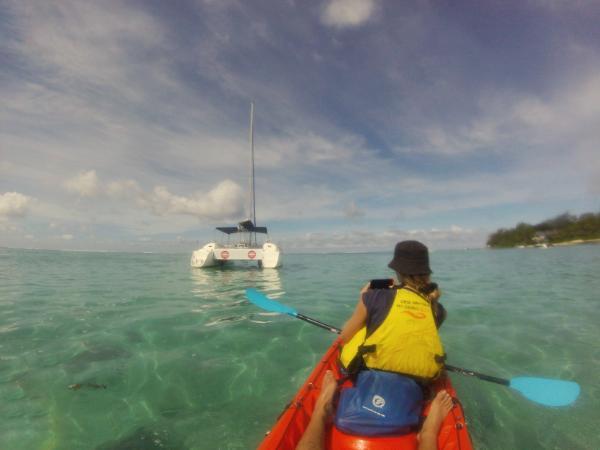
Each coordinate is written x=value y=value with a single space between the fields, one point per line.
x=291 y=424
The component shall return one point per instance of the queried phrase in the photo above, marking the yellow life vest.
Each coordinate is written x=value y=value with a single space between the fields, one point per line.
x=406 y=342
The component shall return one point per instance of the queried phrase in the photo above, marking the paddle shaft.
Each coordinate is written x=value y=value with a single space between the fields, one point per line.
x=466 y=372
x=318 y=323
x=481 y=376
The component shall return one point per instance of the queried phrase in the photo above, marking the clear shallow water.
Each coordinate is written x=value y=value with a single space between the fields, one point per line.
x=189 y=364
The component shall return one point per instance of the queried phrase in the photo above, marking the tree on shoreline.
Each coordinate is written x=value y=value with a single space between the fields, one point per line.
x=562 y=228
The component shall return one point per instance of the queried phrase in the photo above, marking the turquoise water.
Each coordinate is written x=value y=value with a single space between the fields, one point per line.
x=189 y=364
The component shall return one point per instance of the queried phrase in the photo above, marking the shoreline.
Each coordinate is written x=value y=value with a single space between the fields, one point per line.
x=577 y=242
x=557 y=244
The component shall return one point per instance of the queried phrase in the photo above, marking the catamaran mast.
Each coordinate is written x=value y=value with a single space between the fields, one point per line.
x=252 y=192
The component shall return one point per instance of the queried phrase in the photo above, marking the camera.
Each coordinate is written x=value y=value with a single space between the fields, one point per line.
x=385 y=283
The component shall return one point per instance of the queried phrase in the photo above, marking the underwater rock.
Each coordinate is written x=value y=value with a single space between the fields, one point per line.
x=95 y=354
x=144 y=439
x=134 y=336
x=77 y=386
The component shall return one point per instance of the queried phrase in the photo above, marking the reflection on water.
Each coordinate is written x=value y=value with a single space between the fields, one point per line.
x=210 y=282
x=220 y=291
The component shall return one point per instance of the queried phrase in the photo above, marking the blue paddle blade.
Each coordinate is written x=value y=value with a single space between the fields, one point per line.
x=546 y=391
x=264 y=302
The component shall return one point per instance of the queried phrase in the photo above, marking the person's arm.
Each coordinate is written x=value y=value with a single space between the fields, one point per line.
x=357 y=320
x=439 y=314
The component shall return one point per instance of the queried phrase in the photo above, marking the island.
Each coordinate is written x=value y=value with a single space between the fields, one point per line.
x=564 y=229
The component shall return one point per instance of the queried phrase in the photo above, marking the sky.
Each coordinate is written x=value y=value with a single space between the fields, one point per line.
x=124 y=124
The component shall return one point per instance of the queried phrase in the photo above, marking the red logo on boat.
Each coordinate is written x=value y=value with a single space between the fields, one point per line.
x=224 y=254
x=251 y=254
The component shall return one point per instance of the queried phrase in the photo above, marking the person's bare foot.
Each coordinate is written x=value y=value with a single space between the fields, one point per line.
x=314 y=435
x=440 y=407
x=324 y=405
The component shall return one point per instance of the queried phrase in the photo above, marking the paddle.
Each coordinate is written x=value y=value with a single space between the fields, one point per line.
x=545 y=391
x=264 y=302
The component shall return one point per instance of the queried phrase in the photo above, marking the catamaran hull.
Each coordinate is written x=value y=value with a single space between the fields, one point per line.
x=268 y=256
x=271 y=256
x=204 y=257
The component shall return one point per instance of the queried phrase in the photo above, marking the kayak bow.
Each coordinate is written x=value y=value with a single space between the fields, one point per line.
x=292 y=423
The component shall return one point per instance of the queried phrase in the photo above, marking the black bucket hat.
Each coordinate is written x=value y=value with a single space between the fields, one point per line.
x=410 y=258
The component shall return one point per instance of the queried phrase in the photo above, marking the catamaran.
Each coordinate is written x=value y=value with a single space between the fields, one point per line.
x=241 y=243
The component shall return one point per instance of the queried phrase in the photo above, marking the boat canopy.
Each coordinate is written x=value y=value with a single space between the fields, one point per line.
x=243 y=227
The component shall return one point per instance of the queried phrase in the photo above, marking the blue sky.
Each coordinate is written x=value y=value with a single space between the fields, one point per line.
x=124 y=125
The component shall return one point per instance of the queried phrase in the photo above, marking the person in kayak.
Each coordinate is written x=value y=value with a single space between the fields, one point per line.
x=395 y=329
x=314 y=435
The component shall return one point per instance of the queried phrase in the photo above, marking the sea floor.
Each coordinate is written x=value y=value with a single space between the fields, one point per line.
x=169 y=357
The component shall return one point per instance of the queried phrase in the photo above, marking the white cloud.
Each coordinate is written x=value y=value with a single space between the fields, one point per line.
x=347 y=13
x=533 y=112
x=6 y=166
x=96 y=73
x=85 y=184
x=369 y=240
x=14 y=204
x=82 y=40
x=224 y=201
x=124 y=189
x=514 y=121
x=293 y=149
x=352 y=211
x=7 y=227
x=483 y=132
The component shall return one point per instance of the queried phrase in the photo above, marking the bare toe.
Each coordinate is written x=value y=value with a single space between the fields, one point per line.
x=446 y=403
x=442 y=402
x=440 y=407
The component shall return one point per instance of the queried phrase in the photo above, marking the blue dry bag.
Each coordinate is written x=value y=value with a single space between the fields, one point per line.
x=380 y=403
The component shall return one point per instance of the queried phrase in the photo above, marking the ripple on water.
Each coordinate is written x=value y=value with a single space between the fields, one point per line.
x=96 y=353
x=184 y=355
x=146 y=437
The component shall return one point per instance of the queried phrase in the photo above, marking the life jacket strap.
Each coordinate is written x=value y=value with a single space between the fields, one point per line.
x=358 y=363
x=364 y=349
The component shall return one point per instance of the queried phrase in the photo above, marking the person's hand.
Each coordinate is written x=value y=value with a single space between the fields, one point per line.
x=434 y=295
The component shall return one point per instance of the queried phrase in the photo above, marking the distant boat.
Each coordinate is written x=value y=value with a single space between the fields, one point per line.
x=245 y=245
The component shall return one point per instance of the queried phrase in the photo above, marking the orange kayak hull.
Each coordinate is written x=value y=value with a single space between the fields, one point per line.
x=293 y=421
